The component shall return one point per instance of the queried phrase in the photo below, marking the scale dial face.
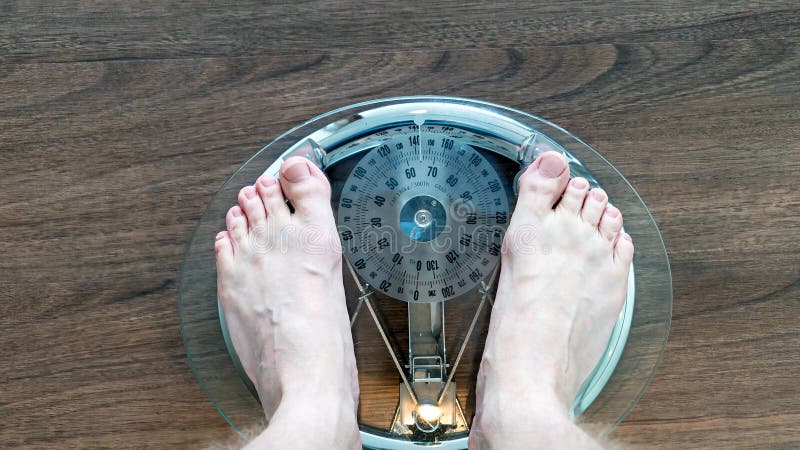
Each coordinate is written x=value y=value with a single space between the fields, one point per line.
x=422 y=214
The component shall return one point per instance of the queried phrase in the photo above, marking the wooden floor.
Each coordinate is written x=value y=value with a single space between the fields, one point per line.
x=118 y=123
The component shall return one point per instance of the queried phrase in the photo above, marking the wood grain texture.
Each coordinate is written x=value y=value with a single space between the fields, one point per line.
x=94 y=30
x=118 y=123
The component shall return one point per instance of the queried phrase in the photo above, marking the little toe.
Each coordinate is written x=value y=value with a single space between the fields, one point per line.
x=623 y=250
x=223 y=249
x=306 y=187
x=237 y=225
x=253 y=207
x=269 y=189
x=573 y=198
x=543 y=182
x=610 y=223
x=593 y=206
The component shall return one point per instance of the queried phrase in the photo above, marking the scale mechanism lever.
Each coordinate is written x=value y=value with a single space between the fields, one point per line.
x=428 y=369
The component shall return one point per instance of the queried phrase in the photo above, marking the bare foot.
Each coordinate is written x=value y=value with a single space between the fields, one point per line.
x=280 y=286
x=562 y=284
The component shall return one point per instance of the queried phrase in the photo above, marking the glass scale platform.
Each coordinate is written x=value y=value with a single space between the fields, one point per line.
x=423 y=188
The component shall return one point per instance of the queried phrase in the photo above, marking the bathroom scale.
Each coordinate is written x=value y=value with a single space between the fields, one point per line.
x=423 y=189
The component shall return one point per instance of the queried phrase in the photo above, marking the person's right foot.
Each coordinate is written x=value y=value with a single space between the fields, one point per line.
x=562 y=284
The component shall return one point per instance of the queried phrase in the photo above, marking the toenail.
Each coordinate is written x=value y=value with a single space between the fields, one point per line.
x=612 y=212
x=236 y=212
x=626 y=236
x=296 y=172
x=220 y=235
x=551 y=165
x=249 y=193
x=598 y=195
x=267 y=181
x=579 y=183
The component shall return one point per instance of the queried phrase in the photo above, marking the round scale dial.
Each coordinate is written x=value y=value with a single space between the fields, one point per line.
x=422 y=214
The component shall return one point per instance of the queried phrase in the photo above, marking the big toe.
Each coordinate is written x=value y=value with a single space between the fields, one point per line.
x=543 y=182
x=305 y=186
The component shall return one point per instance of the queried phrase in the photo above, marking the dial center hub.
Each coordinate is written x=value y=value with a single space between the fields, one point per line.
x=422 y=218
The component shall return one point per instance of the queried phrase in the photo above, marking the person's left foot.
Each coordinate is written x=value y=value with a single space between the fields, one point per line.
x=279 y=279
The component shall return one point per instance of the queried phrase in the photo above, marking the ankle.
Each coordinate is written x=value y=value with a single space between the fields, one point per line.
x=511 y=410
x=308 y=422
x=533 y=432
x=536 y=384
x=527 y=422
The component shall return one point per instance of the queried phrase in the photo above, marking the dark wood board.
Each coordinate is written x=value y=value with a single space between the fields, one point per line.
x=93 y=30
